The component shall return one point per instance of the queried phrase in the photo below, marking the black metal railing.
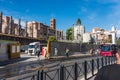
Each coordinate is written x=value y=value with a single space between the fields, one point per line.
x=73 y=71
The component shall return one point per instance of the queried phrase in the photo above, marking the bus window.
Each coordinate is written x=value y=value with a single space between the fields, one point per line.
x=105 y=48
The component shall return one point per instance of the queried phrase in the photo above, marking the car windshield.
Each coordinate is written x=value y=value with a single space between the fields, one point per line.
x=105 y=48
x=31 y=46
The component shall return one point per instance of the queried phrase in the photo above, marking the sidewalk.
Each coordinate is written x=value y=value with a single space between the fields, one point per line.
x=27 y=59
x=74 y=55
x=24 y=58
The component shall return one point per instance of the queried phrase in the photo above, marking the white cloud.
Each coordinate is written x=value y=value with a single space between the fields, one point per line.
x=116 y=10
x=92 y=16
x=114 y=14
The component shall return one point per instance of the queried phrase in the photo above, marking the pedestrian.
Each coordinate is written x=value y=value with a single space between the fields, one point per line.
x=91 y=51
x=56 y=51
x=67 y=52
x=110 y=72
x=38 y=53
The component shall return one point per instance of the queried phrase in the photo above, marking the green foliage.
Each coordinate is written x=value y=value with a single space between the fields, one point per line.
x=78 y=22
x=69 y=34
x=118 y=41
x=109 y=41
x=92 y=40
x=40 y=37
x=52 y=38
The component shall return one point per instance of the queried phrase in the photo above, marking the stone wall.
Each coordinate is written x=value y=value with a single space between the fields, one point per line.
x=73 y=47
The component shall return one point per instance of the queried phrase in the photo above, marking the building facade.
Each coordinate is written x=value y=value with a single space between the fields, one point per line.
x=101 y=36
x=32 y=29
x=79 y=30
x=40 y=30
x=86 y=37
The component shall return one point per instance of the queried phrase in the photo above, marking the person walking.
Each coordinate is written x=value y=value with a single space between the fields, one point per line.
x=91 y=51
x=110 y=72
x=67 y=52
x=38 y=53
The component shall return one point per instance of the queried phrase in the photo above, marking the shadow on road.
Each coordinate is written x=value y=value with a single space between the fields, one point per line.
x=11 y=61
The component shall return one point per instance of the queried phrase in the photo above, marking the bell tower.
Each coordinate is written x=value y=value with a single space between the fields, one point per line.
x=53 y=23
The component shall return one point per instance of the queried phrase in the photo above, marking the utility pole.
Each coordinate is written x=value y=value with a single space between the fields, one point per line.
x=31 y=30
x=0 y=22
x=19 y=27
x=56 y=33
x=10 y=26
x=26 y=29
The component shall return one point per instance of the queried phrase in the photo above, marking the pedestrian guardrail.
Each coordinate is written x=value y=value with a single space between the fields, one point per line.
x=72 y=71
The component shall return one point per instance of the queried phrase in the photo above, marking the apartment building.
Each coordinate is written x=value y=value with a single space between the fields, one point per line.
x=37 y=29
x=32 y=29
x=59 y=35
x=101 y=36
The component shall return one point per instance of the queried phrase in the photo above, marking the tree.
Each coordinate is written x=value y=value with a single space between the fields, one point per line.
x=92 y=41
x=69 y=34
x=52 y=38
x=78 y=22
x=40 y=37
x=109 y=40
x=118 y=41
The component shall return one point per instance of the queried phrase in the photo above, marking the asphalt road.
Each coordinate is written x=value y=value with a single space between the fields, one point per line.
x=27 y=64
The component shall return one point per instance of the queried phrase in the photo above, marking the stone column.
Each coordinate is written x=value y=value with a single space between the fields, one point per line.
x=10 y=26
x=0 y=22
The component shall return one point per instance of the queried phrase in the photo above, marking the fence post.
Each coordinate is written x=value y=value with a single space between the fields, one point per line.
x=114 y=60
x=92 y=67
x=102 y=61
x=62 y=73
x=38 y=75
x=76 y=71
x=98 y=63
x=109 y=60
x=33 y=77
x=42 y=75
x=105 y=61
x=85 y=69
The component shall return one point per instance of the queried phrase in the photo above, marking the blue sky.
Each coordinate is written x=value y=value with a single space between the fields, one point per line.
x=93 y=13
